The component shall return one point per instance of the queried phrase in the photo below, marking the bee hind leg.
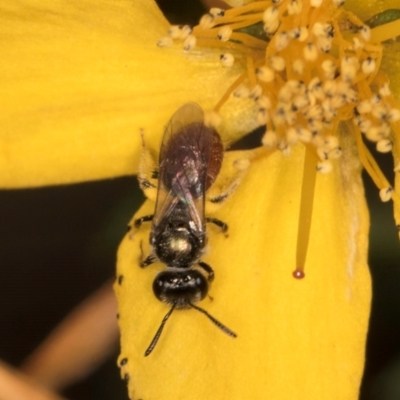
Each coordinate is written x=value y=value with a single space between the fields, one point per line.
x=208 y=269
x=230 y=177
x=221 y=224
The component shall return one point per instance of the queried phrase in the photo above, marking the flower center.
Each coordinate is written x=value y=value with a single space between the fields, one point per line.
x=310 y=65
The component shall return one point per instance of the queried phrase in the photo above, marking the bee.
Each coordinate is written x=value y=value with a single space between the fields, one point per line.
x=190 y=159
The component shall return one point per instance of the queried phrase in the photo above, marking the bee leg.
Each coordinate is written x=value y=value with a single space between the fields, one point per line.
x=227 y=182
x=208 y=269
x=223 y=196
x=146 y=218
x=221 y=224
x=147 y=174
x=148 y=260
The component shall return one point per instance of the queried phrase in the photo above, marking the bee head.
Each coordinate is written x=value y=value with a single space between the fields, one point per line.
x=180 y=287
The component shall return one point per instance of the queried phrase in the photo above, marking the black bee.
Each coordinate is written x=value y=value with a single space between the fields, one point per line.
x=190 y=160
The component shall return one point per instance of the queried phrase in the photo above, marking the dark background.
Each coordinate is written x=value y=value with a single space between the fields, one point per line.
x=58 y=244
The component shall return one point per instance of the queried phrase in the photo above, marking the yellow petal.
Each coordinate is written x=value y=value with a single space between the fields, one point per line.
x=296 y=338
x=79 y=79
x=391 y=66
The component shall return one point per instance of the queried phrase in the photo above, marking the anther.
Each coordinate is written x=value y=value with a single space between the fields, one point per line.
x=264 y=102
x=262 y=116
x=364 y=107
x=365 y=32
x=310 y=52
x=324 y=167
x=271 y=20
x=207 y=21
x=282 y=40
x=255 y=92
x=292 y=136
x=357 y=43
x=165 y=42
x=379 y=112
x=364 y=125
x=375 y=99
x=384 y=145
x=304 y=134
x=320 y=29
x=301 y=34
x=265 y=74
x=241 y=92
x=374 y=133
x=329 y=68
x=298 y=66
x=227 y=59
x=295 y=7
x=224 y=34
x=384 y=91
x=269 y=140
x=386 y=194
x=277 y=63
x=175 y=31
x=185 y=32
x=189 y=43
x=393 y=115
x=315 y=3
x=324 y=44
x=212 y=119
x=217 y=12
x=349 y=67
x=368 y=66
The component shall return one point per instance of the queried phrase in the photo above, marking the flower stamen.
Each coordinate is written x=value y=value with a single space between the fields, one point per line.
x=311 y=66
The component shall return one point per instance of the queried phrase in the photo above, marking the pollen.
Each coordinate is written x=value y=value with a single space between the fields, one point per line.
x=311 y=68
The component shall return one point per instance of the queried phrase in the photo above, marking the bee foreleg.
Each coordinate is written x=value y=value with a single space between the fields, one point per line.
x=147 y=261
x=147 y=175
x=208 y=269
x=219 y=223
x=146 y=218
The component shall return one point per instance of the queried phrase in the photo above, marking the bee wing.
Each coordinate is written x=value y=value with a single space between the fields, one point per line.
x=183 y=166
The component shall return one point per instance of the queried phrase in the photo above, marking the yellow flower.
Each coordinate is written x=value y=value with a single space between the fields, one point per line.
x=296 y=339
x=79 y=81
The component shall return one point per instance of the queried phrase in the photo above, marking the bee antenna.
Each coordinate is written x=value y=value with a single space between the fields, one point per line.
x=159 y=331
x=220 y=325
